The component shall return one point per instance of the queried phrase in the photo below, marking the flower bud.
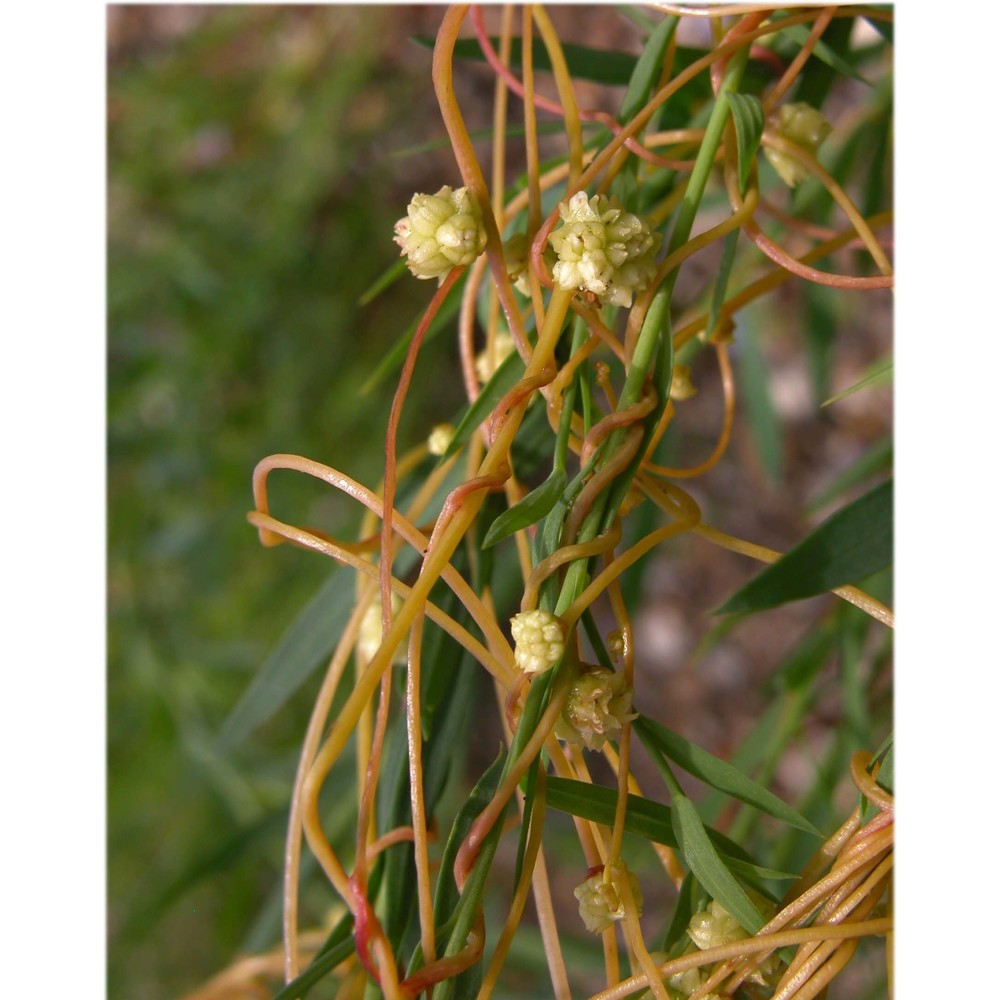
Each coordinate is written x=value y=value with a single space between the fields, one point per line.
x=370 y=633
x=486 y=366
x=713 y=927
x=603 y=249
x=539 y=640
x=596 y=709
x=688 y=981
x=441 y=231
x=681 y=386
x=439 y=439
x=803 y=125
x=601 y=903
x=616 y=644
x=515 y=256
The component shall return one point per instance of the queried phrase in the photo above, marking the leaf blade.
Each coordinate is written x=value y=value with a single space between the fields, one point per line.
x=853 y=543
x=709 y=869
x=748 y=122
x=528 y=510
x=720 y=774
x=298 y=653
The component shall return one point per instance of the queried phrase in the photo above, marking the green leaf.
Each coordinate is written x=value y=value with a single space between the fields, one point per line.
x=719 y=291
x=395 y=356
x=800 y=33
x=649 y=820
x=885 y=777
x=748 y=120
x=299 y=653
x=850 y=545
x=502 y=381
x=710 y=870
x=683 y=912
x=528 y=510
x=321 y=966
x=719 y=773
x=387 y=278
x=446 y=893
x=884 y=755
x=530 y=787
x=818 y=77
x=880 y=372
x=646 y=74
x=600 y=65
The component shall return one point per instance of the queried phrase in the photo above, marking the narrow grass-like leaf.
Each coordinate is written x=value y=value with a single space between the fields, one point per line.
x=649 y=820
x=850 y=545
x=722 y=279
x=297 y=655
x=880 y=372
x=884 y=756
x=529 y=510
x=387 y=278
x=683 y=911
x=818 y=77
x=530 y=785
x=708 y=867
x=446 y=893
x=503 y=380
x=338 y=946
x=320 y=968
x=718 y=773
x=800 y=33
x=394 y=357
x=635 y=14
x=748 y=121
x=647 y=69
x=886 y=775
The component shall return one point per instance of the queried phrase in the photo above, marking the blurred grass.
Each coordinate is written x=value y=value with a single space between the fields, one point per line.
x=247 y=207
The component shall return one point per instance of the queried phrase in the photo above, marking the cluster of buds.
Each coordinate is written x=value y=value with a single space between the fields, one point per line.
x=539 y=640
x=803 y=125
x=441 y=231
x=716 y=926
x=601 y=900
x=598 y=705
x=713 y=927
x=685 y=983
x=603 y=249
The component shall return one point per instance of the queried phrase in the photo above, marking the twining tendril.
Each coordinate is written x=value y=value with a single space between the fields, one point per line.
x=605 y=382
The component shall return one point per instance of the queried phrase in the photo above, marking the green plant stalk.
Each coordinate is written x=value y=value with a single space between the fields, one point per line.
x=569 y=399
x=654 y=327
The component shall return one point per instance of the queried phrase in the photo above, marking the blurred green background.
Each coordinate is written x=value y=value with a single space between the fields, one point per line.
x=250 y=200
